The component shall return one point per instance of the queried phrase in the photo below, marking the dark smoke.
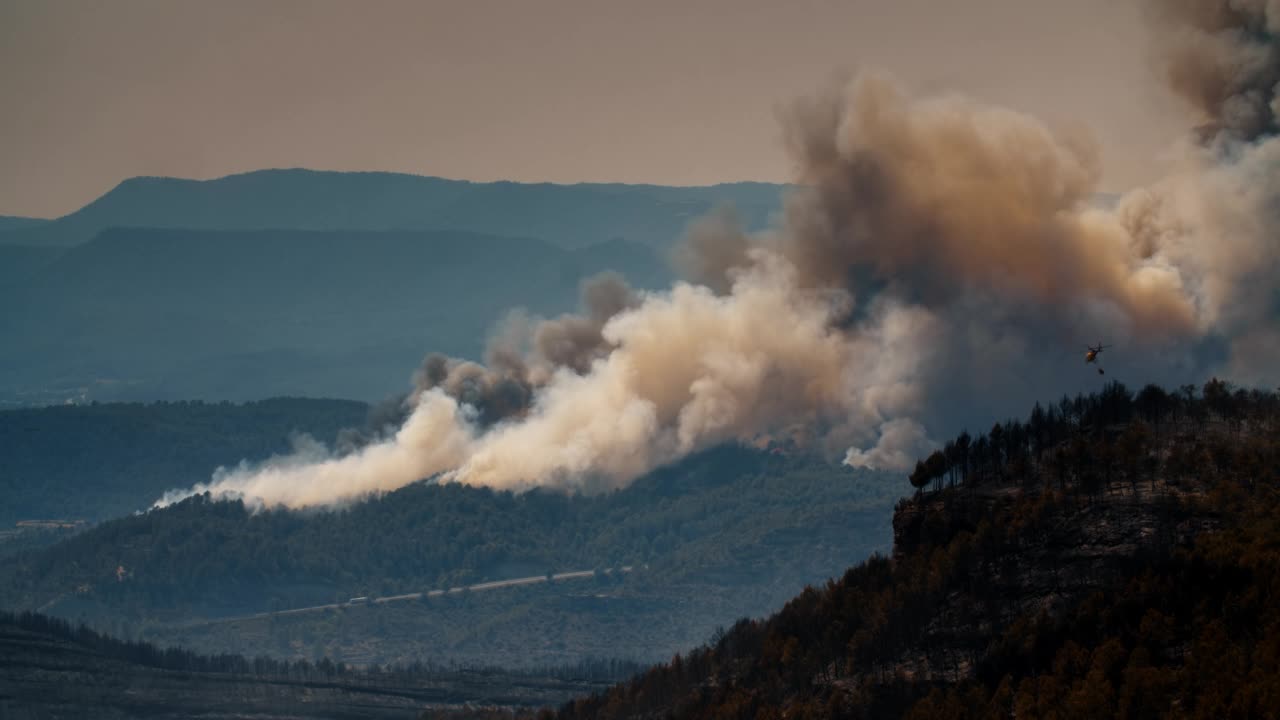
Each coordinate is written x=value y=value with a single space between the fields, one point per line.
x=1222 y=57
x=575 y=341
x=931 y=200
x=527 y=354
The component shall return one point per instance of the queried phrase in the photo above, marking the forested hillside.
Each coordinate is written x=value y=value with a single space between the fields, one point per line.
x=727 y=532
x=1111 y=556
x=210 y=553
x=95 y=462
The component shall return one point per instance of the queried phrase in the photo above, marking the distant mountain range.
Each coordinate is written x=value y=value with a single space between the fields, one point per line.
x=310 y=283
x=565 y=215
x=186 y=314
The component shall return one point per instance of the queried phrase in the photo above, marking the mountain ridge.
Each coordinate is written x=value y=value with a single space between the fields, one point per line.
x=18 y=222
x=569 y=215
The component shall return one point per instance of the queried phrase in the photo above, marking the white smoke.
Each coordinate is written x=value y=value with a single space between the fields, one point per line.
x=689 y=369
x=940 y=254
x=434 y=438
x=902 y=441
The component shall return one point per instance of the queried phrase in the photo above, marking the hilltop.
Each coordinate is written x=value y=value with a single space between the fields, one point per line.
x=1113 y=556
x=568 y=216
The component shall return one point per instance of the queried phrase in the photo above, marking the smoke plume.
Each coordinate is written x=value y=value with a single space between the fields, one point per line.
x=525 y=354
x=941 y=260
x=1221 y=57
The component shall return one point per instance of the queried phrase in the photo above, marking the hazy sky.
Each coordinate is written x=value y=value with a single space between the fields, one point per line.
x=662 y=91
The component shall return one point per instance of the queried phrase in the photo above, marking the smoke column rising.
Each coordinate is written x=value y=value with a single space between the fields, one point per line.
x=936 y=247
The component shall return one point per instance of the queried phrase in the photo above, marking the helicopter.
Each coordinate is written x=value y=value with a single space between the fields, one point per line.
x=1092 y=355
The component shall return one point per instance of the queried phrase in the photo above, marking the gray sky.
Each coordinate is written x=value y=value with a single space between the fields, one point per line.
x=662 y=91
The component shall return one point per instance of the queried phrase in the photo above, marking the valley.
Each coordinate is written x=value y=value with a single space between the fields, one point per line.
x=615 y=361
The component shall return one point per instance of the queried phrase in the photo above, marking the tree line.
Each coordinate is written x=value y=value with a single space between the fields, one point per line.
x=1092 y=441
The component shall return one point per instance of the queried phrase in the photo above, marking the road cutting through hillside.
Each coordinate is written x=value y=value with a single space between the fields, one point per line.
x=357 y=602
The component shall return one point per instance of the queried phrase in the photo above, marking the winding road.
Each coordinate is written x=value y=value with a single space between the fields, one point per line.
x=360 y=602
